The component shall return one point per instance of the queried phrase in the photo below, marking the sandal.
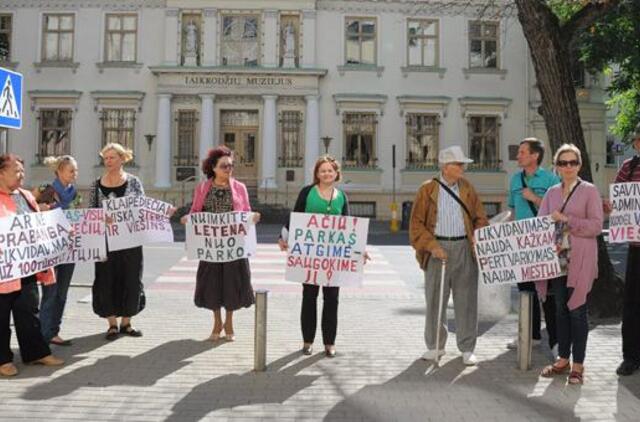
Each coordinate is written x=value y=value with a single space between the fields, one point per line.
x=575 y=378
x=551 y=370
x=130 y=331
x=112 y=333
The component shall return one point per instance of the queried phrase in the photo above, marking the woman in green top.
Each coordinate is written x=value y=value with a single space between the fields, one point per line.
x=322 y=197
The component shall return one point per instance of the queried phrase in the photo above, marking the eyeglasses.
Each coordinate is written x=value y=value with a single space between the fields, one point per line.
x=570 y=163
x=226 y=166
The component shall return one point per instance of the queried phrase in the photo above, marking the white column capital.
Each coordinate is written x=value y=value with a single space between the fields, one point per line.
x=164 y=95
x=270 y=13
x=172 y=12
x=309 y=14
x=207 y=96
x=210 y=12
x=308 y=98
x=269 y=97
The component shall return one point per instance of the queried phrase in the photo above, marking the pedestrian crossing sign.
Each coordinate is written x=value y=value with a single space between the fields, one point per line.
x=10 y=99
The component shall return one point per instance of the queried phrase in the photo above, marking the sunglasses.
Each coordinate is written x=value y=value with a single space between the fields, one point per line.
x=226 y=166
x=569 y=163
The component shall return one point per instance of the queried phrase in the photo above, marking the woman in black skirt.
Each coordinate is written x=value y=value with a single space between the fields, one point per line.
x=117 y=288
x=222 y=285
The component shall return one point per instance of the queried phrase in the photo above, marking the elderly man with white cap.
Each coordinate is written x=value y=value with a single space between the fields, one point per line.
x=445 y=213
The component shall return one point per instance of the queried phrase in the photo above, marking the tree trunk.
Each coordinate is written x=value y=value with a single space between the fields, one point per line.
x=550 y=54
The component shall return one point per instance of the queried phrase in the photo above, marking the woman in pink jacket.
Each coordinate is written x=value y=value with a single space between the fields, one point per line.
x=222 y=285
x=576 y=207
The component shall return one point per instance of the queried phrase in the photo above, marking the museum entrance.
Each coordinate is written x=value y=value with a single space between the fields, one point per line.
x=240 y=134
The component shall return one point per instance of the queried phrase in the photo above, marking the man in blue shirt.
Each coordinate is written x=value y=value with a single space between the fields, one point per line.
x=526 y=190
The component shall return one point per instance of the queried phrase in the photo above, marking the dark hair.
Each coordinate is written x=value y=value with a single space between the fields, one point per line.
x=326 y=159
x=7 y=159
x=535 y=147
x=211 y=161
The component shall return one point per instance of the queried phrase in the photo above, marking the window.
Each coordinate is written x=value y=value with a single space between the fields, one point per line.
x=58 y=38
x=6 y=22
x=483 y=142
x=118 y=125
x=290 y=127
x=483 y=45
x=120 y=39
x=240 y=40
x=186 y=153
x=289 y=40
x=360 y=43
x=422 y=140
x=422 y=42
x=55 y=133
x=360 y=136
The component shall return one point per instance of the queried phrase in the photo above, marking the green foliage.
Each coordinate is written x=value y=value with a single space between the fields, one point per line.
x=565 y=9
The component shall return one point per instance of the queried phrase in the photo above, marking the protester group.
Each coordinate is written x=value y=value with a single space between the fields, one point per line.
x=549 y=249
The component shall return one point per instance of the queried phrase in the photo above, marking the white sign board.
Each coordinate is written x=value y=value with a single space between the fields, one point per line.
x=136 y=220
x=220 y=237
x=88 y=241
x=517 y=251
x=624 y=220
x=326 y=250
x=31 y=243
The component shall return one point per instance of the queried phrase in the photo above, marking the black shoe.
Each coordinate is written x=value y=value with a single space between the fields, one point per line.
x=627 y=367
x=112 y=333
x=130 y=331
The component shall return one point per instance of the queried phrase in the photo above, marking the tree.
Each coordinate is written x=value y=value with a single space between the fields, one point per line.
x=554 y=46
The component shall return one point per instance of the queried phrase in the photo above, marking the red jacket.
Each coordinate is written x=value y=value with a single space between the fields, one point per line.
x=8 y=208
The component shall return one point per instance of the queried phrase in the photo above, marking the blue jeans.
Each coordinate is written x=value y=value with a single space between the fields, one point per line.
x=54 y=297
x=572 y=326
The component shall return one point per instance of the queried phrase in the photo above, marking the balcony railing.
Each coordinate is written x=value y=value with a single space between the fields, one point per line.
x=486 y=165
x=372 y=164
x=185 y=160
x=290 y=161
x=431 y=164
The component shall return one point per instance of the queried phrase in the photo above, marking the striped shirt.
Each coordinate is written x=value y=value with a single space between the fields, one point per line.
x=450 y=219
x=623 y=174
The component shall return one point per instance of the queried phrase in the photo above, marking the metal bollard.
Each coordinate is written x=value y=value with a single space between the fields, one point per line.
x=524 y=331
x=260 y=332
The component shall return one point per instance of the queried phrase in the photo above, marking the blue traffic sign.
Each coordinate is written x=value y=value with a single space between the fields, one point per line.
x=10 y=99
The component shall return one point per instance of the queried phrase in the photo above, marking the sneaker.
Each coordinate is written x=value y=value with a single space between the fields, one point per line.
x=514 y=343
x=469 y=359
x=431 y=354
x=627 y=367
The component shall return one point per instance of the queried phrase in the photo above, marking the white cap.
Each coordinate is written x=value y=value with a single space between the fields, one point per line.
x=453 y=154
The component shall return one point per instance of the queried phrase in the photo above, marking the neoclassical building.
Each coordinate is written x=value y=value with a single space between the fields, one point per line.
x=281 y=82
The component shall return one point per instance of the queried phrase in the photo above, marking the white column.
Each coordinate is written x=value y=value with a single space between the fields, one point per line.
x=309 y=38
x=268 y=170
x=210 y=38
x=270 y=44
x=171 y=30
x=312 y=138
x=207 y=132
x=163 y=142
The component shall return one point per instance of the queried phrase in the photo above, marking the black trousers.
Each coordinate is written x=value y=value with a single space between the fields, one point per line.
x=309 y=312
x=549 y=306
x=23 y=304
x=631 y=307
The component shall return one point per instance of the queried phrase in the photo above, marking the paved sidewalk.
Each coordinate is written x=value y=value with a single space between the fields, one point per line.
x=170 y=374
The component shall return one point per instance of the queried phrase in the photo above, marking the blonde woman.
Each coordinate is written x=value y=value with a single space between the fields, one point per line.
x=61 y=193
x=117 y=288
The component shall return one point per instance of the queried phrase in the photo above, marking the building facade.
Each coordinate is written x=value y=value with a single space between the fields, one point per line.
x=381 y=85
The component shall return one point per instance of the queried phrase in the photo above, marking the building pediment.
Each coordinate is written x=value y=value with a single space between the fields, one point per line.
x=237 y=81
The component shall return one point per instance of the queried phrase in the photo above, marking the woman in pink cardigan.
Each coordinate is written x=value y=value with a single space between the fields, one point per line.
x=576 y=207
x=222 y=285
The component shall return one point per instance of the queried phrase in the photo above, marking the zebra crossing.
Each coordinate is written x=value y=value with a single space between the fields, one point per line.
x=268 y=268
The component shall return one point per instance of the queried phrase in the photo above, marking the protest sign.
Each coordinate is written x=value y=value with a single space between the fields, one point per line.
x=517 y=251
x=88 y=243
x=136 y=220
x=220 y=237
x=326 y=250
x=624 y=220
x=31 y=243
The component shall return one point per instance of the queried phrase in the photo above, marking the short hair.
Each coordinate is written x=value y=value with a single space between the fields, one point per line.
x=535 y=147
x=567 y=148
x=8 y=159
x=125 y=154
x=213 y=156
x=57 y=163
x=326 y=159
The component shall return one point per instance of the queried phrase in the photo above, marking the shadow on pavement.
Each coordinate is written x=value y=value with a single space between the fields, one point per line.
x=494 y=390
x=627 y=409
x=142 y=370
x=273 y=386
